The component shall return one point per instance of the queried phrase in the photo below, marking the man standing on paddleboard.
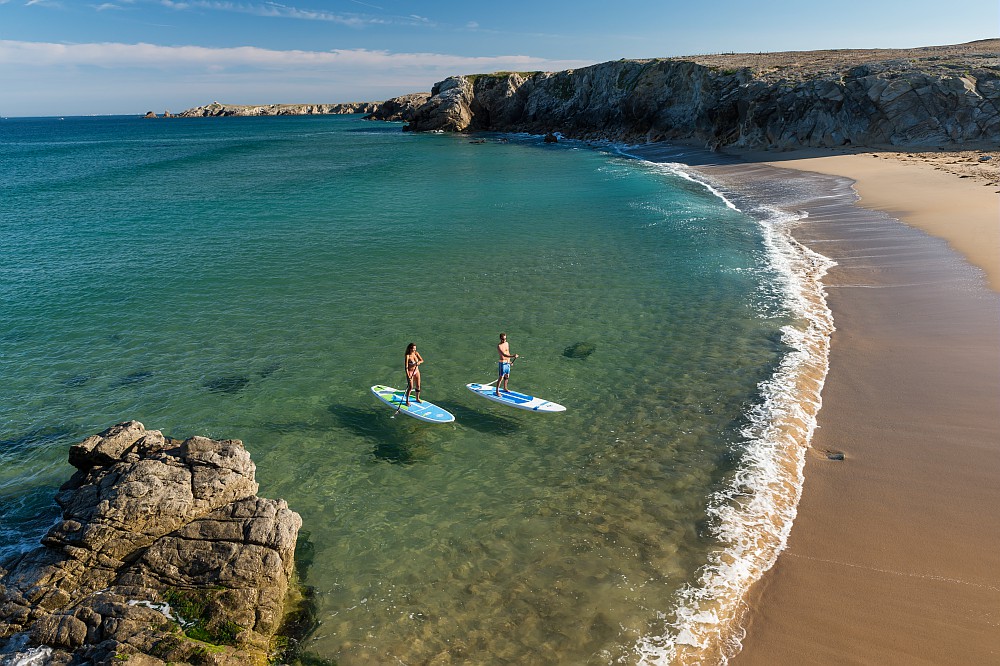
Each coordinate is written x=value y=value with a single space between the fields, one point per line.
x=506 y=358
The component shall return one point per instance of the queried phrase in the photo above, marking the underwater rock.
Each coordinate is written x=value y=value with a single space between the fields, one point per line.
x=579 y=350
x=227 y=384
x=269 y=370
x=132 y=378
x=75 y=381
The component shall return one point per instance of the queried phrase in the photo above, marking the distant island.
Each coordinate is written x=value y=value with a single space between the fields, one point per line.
x=930 y=96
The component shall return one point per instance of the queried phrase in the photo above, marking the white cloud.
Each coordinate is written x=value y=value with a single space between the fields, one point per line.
x=40 y=78
x=270 y=10
x=118 y=55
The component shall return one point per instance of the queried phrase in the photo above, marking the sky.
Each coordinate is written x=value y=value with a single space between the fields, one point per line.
x=66 y=57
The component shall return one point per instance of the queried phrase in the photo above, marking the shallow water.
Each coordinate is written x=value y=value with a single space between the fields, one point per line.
x=250 y=278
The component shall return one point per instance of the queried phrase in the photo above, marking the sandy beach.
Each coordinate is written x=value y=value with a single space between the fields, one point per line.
x=949 y=195
x=895 y=551
x=894 y=554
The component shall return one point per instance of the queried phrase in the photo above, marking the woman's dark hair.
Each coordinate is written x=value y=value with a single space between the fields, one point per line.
x=410 y=347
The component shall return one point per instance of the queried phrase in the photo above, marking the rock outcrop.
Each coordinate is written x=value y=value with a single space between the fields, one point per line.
x=399 y=108
x=164 y=553
x=917 y=97
x=215 y=109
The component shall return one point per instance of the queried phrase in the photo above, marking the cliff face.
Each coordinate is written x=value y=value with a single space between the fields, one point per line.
x=918 y=97
x=398 y=108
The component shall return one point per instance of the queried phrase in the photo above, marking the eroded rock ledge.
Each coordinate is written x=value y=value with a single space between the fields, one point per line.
x=164 y=553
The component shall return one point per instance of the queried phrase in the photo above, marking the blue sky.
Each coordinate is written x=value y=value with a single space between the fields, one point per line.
x=63 y=57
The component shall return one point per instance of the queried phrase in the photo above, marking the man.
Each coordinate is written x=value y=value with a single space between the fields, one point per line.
x=506 y=358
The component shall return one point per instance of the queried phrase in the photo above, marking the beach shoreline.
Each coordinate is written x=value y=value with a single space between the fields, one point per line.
x=893 y=554
x=951 y=195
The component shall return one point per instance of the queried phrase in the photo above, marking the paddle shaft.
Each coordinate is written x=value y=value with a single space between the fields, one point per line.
x=409 y=383
x=498 y=378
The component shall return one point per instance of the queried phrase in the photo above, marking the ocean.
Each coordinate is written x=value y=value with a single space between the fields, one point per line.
x=251 y=278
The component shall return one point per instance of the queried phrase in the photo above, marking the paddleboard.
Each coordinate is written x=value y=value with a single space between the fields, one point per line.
x=423 y=410
x=515 y=399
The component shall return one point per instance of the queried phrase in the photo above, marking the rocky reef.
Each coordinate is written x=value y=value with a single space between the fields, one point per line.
x=946 y=95
x=164 y=553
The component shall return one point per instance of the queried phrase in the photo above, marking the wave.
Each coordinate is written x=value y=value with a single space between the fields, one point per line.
x=753 y=515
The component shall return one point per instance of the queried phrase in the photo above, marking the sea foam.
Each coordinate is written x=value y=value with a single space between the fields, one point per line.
x=753 y=515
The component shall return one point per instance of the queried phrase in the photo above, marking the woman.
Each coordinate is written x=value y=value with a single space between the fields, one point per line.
x=411 y=364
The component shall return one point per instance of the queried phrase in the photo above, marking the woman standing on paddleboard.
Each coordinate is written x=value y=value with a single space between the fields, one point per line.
x=411 y=365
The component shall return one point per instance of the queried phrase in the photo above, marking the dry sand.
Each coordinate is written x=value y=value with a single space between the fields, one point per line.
x=894 y=557
x=952 y=195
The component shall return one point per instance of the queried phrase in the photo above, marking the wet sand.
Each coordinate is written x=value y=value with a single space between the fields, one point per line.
x=894 y=556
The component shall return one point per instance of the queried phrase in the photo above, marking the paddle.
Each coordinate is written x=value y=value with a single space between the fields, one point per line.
x=495 y=381
x=409 y=383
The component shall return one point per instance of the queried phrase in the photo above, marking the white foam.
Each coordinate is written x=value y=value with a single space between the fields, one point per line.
x=753 y=516
x=36 y=656
x=163 y=608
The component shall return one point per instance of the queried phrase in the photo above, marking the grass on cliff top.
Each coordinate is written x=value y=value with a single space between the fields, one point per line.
x=499 y=75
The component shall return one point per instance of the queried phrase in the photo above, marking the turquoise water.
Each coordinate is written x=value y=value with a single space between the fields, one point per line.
x=250 y=278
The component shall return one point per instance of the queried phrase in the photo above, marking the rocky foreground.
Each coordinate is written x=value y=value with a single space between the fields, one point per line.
x=164 y=554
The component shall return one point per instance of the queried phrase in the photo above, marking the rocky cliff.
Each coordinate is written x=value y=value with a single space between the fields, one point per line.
x=399 y=108
x=164 y=554
x=916 y=97
x=215 y=109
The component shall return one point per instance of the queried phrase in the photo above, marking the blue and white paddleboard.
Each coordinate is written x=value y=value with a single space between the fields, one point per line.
x=423 y=410
x=515 y=399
